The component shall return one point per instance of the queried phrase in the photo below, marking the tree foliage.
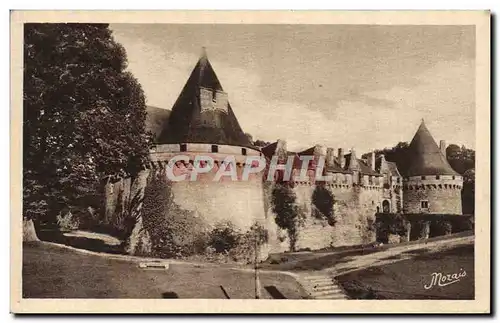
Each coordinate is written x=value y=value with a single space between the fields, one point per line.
x=398 y=154
x=461 y=159
x=261 y=143
x=287 y=213
x=323 y=200
x=84 y=114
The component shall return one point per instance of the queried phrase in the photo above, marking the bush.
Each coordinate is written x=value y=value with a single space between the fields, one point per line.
x=225 y=243
x=440 y=228
x=67 y=222
x=224 y=237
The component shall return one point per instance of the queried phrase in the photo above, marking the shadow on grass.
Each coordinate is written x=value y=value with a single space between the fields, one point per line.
x=319 y=262
x=96 y=245
x=169 y=295
x=458 y=251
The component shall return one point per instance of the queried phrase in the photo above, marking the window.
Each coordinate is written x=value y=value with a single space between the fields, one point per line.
x=183 y=147
x=453 y=177
x=424 y=204
x=215 y=148
x=423 y=177
x=437 y=176
x=244 y=151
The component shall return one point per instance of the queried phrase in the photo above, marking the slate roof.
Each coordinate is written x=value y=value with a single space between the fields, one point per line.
x=393 y=168
x=366 y=169
x=307 y=152
x=425 y=155
x=269 y=150
x=182 y=126
x=335 y=168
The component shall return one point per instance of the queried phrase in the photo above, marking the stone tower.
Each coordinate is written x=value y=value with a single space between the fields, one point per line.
x=202 y=123
x=431 y=185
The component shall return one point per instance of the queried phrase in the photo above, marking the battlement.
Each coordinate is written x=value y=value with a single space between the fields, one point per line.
x=433 y=182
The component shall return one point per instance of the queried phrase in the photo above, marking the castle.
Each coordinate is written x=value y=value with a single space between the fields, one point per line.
x=202 y=122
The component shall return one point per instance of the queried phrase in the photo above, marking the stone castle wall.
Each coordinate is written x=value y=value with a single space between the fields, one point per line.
x=354 y=209
x=440 y=201
x=443 y=195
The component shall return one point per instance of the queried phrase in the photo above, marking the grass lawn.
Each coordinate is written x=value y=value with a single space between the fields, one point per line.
x=406 y=279
x=53 y=272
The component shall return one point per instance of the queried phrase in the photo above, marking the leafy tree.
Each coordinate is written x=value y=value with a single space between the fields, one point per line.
x=287 y=213
x=249 y=136
x=261 y=143
x=323 y=201
x=468 y=192
x=398 y=154
x=461 y=159
x=84 y=115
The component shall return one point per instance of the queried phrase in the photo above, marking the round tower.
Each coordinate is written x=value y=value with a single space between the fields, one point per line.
x=202 y=124
x=431 y=185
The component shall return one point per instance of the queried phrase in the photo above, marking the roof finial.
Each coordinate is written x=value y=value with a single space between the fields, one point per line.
x=203 y=52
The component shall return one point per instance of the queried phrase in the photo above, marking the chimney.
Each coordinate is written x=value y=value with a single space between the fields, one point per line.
x=442 y=146
x=330 y=156
x=372 y=160
x=353 y=162
x=281 y=151
x=341 y=157
x=383 y=164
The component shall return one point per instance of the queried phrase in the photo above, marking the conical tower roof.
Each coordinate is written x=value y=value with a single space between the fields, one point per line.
x=187 y=120
x=426 y=157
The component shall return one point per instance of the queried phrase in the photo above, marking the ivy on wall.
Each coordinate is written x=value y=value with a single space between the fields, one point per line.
x=323 y=201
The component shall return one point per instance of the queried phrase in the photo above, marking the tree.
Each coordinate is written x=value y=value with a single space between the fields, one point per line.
x=468 y=192
x=323 y=201
x=84 y=115
x=463 y=160
x=287 y=213
x=460 y=159
x=261 y=143
x=398 y=154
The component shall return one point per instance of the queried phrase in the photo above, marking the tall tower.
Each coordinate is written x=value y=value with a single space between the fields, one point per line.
x=202 y=123
x=202 y=113
x=431 y=185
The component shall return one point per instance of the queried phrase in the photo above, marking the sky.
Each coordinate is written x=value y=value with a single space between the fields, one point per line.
x=342 y=86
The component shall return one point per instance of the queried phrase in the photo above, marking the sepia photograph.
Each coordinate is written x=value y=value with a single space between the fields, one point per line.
x=331 y=161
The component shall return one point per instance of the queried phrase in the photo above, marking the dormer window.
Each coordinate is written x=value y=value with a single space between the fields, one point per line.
x=183 y=147
x=215 y=148
x=244 y=151
x=423 y=177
